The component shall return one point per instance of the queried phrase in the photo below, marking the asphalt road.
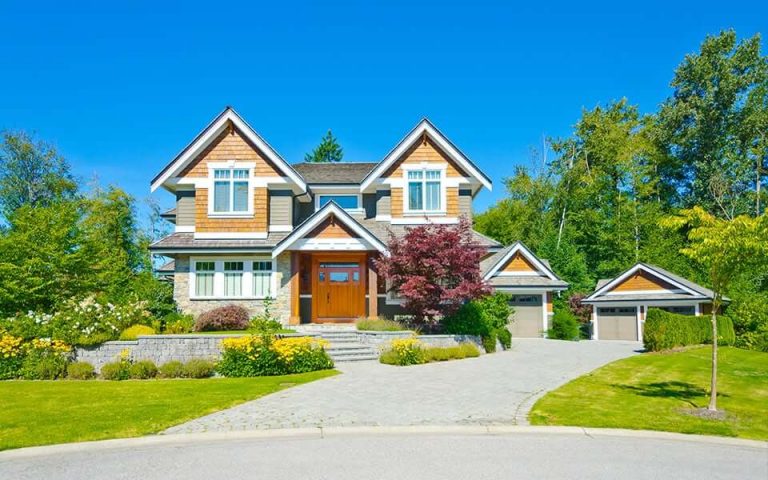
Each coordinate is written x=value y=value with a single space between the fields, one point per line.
x=401 y=456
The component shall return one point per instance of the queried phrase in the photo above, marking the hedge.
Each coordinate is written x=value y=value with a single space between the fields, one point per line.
x=664 y=330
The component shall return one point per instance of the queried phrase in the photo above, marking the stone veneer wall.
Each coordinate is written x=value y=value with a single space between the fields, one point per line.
x=381 y=339
x=280 y=306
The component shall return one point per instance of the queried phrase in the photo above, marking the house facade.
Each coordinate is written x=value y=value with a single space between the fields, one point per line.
x=620 y=304
x=249 y=226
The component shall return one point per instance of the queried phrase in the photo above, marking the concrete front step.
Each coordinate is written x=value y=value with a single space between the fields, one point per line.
x=347 y=352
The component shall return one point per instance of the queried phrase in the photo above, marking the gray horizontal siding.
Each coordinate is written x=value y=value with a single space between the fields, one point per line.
x=383 y=202
x=302 y=211
x=280 y=207
x=185 y=208
x=465 y=203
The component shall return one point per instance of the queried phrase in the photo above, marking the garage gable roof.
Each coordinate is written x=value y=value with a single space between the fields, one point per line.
x=683 y=287
x=500 y=259
x=210 y=133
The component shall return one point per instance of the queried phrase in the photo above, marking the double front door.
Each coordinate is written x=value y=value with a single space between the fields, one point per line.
x=338 y=287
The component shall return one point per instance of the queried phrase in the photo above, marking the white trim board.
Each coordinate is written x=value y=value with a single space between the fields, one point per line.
x=519 y=247
x=639 y=266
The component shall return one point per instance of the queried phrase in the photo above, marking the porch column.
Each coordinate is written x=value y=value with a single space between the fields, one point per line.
x=373 y=289
x=295 y=317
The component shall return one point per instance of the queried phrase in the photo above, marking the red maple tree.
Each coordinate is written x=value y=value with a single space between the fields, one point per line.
x=435 y=268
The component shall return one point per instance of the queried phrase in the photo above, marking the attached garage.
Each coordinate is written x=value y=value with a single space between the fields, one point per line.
x=617 y=323
x=526 y=321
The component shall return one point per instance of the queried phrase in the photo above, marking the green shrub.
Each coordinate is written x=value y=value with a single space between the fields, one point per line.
x=404 y=351
x=198 y=368
x=261 y=325
x=379 y=325
x=253 y=356
x=172 y=369
x=132 y=333
x=45 y=359
x=489 y=341
x=119 y=370
x=664 y=330
x=142 y=370
x=565 y=326
x=80 y=371
x=175 y=323
x=482 y=316
x=505 y=337
x=441 y=354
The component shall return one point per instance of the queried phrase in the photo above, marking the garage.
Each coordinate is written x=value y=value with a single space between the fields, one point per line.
x=526 y=321
x=617 y=323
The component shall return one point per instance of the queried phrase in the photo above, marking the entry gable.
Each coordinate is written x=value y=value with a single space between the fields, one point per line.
x=331 y=227
x=425 y=139
x=646 y=279
x=216 y=132
x=518 y=260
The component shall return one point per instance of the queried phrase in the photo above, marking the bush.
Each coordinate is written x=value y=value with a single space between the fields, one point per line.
x=198 y=368
x=45 y=360
x=142 y=370
x=132 y=333
x=664 y=330
x=565 y=326
x=172 y=369
x=262 y=325
x=80 y=371
x=91 y=322
x=178 y=323
x=11 y=356
x=229 y=317
x=483 y=316
x=404 y=351
x=119 y=370
x=379 y=325
x=253 y=356
x=441 y=354
x=489 y=342
x=505 y=338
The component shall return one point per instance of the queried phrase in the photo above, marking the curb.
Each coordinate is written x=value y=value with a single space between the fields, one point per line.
x=325 y=432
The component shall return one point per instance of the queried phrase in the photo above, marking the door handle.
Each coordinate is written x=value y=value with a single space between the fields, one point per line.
x=328 y=297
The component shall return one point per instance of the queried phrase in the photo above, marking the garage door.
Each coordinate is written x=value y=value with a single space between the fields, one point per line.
x=527 y=318
x=617 y=323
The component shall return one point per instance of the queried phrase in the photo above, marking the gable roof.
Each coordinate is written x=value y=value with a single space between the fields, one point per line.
x=685 y=289
x=341 y=173
x=500 y=259
x=210 y=133
x=426 y=127
x=329 y=209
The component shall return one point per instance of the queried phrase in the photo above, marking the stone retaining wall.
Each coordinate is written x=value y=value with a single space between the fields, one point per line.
x=381 y=339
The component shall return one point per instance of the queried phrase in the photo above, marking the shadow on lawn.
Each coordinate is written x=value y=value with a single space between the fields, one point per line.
x=679 y=390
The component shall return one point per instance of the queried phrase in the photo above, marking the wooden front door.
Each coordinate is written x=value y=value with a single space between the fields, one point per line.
x=338 y=287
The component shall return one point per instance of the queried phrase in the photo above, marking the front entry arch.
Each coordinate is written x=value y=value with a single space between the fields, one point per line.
x=338 y=287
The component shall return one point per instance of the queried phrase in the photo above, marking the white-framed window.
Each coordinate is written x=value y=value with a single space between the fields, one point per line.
x=204 y=278
x=424 y=190
x=230 y=191
x=345 y=201
x=232 y=277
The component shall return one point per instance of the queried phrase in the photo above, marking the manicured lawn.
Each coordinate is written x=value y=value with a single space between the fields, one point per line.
x=45 y=412
x=657 y=391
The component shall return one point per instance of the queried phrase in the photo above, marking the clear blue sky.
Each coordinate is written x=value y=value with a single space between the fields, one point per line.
x=120 y=90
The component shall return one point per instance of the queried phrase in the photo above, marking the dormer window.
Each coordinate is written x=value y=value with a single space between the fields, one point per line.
x=230 y=190
x=425 y=191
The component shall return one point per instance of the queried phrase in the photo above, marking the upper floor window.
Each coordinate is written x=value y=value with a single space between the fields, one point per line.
x=347 y=202
x=424 y=190
x=230 y=190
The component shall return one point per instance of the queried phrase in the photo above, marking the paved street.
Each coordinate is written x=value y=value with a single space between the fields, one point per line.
x=492 y=389
x=398 y=456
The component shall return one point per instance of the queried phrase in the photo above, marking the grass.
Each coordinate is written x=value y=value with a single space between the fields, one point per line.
x=47 y=412
x=380 y=325
x=433 y=354
x=658 y=391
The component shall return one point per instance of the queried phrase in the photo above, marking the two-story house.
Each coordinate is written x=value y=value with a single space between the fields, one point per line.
x=251 y=226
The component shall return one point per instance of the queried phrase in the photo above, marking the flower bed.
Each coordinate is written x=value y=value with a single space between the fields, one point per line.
x=412 y=351
x=254 y=356
x=34 y=360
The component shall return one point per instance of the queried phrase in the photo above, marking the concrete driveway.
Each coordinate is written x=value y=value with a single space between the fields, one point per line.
x=496 y=389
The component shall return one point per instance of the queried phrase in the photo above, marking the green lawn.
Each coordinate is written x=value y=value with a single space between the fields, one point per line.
x=46 y=412
x=657 y=391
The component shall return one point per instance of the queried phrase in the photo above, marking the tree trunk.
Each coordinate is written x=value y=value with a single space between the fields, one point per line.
x=713 y=382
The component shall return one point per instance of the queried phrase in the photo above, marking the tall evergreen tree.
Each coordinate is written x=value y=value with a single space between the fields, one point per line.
x=328 y=151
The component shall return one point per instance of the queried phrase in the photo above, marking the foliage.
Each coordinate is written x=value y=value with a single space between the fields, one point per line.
x=660 y=391
x=489 y=341
x=228 y=317
x=44 y=360
x=172 y=369
x=441 y=354
x=11 y=356
x=119 y=369
x=176 y=322
x=80 y=371
x=505 y=337
x=582 y=311
x=132 y=333
x=198 y=368
x=91 y=322
x=142 y=370
x=39 y=413
x=379 y=325
x=480 y=316
x=328 y=151
x=435 y=268
x=253 y=356
x=404 y=351
x=565 y=326
x=664 y=330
